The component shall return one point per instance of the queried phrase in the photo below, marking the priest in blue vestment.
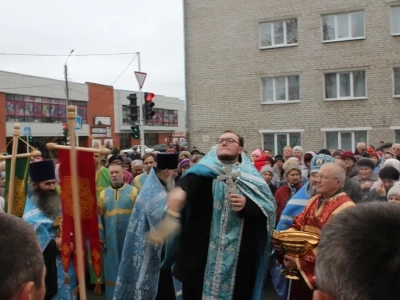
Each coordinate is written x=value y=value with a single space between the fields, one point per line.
x=228 y=215
x=43 y=213
x=115 y=206
x=144 y=272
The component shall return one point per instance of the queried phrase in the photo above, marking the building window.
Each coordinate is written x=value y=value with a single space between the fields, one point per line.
x=81 y=107
x=277 y=89
x=125 y=140
x=150 y=139
x=21 y=108
x=345 y=26
x=277 y=141
x=345 y=86
x=397 y=136
x=164 y=117
x=345 y=140
x=395 y=19
x=278 y=34
x=396 y=81
x=126 y=115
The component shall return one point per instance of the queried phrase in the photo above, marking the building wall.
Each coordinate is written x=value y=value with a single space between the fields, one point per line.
x=101 y=103
x=225 y=65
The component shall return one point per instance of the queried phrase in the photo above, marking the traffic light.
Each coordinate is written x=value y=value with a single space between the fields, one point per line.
x=65 y=130
x=135 y=132
x=30 y=139
x=148 y=105
x=134 y=108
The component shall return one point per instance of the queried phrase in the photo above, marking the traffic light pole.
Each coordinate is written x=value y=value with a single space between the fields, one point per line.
x=141 y=117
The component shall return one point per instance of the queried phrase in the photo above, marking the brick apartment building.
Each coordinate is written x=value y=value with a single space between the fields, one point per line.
x=322 y=74
x=39 y=104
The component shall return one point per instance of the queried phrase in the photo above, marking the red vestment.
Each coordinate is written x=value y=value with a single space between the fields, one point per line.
x=312 y=219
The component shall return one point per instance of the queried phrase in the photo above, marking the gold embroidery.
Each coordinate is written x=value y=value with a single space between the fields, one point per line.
x=96 y=254
x=65 y=249
x=109 y=283
x=118 y=211
x=86 y=199
x=19 y=197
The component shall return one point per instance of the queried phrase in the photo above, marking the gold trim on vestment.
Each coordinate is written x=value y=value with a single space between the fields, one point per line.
x=117 y=211
x=109 y=283
x=303 y=274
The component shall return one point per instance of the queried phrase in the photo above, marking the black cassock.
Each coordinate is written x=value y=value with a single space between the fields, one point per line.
x=194 y=241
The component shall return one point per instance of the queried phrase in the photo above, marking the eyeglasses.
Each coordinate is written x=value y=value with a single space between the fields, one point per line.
x=228 y=141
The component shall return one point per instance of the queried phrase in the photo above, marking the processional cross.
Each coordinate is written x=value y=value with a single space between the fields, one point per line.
x=230 y=179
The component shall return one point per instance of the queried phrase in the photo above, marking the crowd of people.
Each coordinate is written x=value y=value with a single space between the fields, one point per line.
x=184 y=225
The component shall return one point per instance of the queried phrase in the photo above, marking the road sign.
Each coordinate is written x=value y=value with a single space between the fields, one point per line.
x=78 y=123
x=27 y=131
x=140 y=76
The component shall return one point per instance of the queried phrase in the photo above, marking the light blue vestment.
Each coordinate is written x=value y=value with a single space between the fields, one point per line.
x=227 y=226
x=139 y=270
x=139 y=180
x=46 y=232
x=115 y=208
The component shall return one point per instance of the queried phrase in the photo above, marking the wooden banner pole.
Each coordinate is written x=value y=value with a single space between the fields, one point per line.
x=101 y=151
x=11 y=184
x=34 y=153
x=76 y=206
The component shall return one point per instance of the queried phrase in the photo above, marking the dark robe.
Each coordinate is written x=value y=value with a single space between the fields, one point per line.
x=166 y=289
x=192 y=255
x=49 y=256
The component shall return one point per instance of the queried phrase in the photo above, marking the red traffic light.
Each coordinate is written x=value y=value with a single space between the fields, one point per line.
x=65 y=126
x=149 y=97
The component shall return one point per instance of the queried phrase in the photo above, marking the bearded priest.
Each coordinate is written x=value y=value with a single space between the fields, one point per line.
x=143 y=272
x=43 y=213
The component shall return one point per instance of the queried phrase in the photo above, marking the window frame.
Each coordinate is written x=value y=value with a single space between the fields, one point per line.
x=336 y=27
x=339 y=131
x=350 y=98
x=391 y=20
x=280 y=132
x=274 y=101
x=394 y=83
x=285 y=44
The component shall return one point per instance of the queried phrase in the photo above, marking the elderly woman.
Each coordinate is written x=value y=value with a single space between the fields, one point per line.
x=366 y=177
x=377 y=160
x=285 y=193
x=350 y=160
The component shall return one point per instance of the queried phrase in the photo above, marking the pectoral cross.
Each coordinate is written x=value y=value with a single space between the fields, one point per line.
x=229 y=178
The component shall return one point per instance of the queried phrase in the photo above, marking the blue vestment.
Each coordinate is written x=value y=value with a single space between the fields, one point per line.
x=46 y=232
x=294 y=207
x=115 y=208
x=139 y=270
x=227 y=226
x=139 y=180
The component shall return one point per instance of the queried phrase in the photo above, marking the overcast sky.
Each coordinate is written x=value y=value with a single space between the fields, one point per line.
x=152 y=27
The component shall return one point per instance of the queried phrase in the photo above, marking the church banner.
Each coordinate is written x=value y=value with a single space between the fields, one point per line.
x=88 y=207
x=20 y=184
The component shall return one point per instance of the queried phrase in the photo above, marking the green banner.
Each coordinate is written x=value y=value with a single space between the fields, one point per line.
x=20 y=184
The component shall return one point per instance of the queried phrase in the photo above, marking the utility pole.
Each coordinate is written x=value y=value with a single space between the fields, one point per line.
x=67 y=101
x=141 y=117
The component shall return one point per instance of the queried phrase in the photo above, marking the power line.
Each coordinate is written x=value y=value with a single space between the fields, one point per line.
x=64 y=55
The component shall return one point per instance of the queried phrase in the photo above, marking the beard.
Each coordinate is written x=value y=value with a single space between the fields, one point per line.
x=170 y=182
x=48 y=202
x=227 y=157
